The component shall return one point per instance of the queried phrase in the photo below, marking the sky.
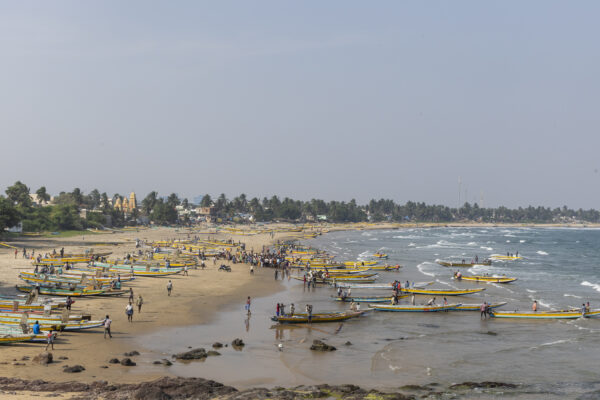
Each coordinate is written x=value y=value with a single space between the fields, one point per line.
x=333 y=100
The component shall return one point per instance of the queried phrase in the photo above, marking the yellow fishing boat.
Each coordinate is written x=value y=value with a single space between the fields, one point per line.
x=317 y=318
x=483 y=278
x=442 y=292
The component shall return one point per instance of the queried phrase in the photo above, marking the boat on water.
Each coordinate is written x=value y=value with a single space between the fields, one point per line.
x=339 y=279
x=367 y=299
x=380 y=286
x=411 y=308
x=66 y=292
x=484 y=278
x=477 y=307
x=359 y=263
x=441 y=292
x=505 y=258
x=463 y=264
x=317 y=318
x=380 y=255
x=559 y=314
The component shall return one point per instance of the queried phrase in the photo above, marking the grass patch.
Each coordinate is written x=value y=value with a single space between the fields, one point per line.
x=66 y=234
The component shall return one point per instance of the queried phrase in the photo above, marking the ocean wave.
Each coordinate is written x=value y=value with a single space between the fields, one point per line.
x=531 y=291
x=541 y=253
x=509 y=235
x=486 y=248
x=594 y=286
x=421 y=268
x=555 y=342
x=411 y=244
x=407 y=237
x=572 y=295
x=472 y=244
x=522 y=241
x=373 y=239
x=366 y=234
x=508 y=241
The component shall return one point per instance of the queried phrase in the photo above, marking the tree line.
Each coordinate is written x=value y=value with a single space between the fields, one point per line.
x=64 y=211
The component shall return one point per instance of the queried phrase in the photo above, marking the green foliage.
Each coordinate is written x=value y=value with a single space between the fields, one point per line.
x=163 y=213
x=42 y=195
x=19 y=194
x=206 y=201
x=66 y=216
x=9 y=216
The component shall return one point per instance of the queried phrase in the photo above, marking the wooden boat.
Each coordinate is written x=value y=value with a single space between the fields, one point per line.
x=386 y=267
x=6 y=331
x=51 y=325
x=441 y=292
x=368 y=299
x=477 y=307
x=21 y=305
x=359 y=263
x=505 y=258
x=380 y=286
x=9 y=338
x=483 y=278
x=411 y=308
x=73 y=293
x=64 y=282
x=461 y=264
x=317 y=318
x=137 y=270
x=380 y=255
x=560 y=314
x=338 y=279
x=78 y=275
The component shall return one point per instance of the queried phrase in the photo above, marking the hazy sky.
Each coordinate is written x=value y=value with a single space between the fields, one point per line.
x=334 y=99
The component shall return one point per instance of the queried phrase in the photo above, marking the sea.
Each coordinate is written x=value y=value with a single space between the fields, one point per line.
x=385 y=350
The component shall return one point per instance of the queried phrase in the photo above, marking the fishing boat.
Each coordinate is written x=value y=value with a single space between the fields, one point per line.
x=54 y=326
x=477 y=307
x=317 y=318
x=359 y=263
x=560 y=314
x=386 y=267
x=441 y=292
x=8 y=338
x=73 y=293
x=411 y=308
x=137 y=270
x=367 y=299
x=380 y=255
x=380 y=286
x=505 y=258
x=461 y=264
x=483 y=278
x=338 y=279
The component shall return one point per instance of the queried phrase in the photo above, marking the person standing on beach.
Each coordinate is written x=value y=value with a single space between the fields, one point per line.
x=129 y=312
x=185 y=270
x=248 y=305
x=483 y=310
x=106 y=323
x=139 y=303
x=16 y=251
x=50 y=340
x=131 y=295
x=534 y=306
x=169 y=287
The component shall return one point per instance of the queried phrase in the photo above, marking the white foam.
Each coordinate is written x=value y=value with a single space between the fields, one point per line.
x=373 y=239
x=521 y=241
x=486 y=248
x=472 y=244
x=542 y=253
x=556 y=342
x=421 y=268
x=594 y=286
x=508 y=241
x=572 y=295
x=411 y=245
x=531 y=291
x=509 y=235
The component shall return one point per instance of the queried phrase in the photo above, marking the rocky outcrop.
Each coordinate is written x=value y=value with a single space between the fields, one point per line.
x=321 y=346
x=128 y=362
x=44 y=358
x=74 y=368
x=195 y=354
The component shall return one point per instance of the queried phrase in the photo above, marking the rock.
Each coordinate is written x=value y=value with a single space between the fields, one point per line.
x=114 y=361
x=238 y=344
x=17 y=363
x=213 y=353
x=217 y=345
x=348 y=343
x=151 y=393
x=131 y=353
x=104 y=366
x=24 y=358
x=63 y=358
x=127 y=362
x=483 y=385
x=195 y=354
x=157 y=362
x=44 y=358
x=164 y=361
x=74 y=368
x=321 y=346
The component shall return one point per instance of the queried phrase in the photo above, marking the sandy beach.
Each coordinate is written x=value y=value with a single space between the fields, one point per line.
x=195 y=300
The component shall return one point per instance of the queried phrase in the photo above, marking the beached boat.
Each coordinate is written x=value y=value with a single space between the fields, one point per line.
x=317 y=318
x=386 y=267
x=441 y=292
x=78 y=275
x=55 y=326
x=411 y=308
x=359 y=263
x=483 y=278
x=460 y=264
x=368 y=299
x=137 y=270
x=20 y=304
x=380 y=286
x=73 y=293
x=477 y=307
x=560 y=314
x=343 y=279
x=9 y=338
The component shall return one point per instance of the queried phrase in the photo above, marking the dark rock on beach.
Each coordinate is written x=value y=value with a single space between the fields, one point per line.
x=44 y=358
x=217 y=345
x=321 y=346
x=132 y=353
x=74 y=368
x=238 y=343
x=195 y=354
x=164 y=361
x=213 y=353
x=483 y=385
x=128 y=362
x=114 y=361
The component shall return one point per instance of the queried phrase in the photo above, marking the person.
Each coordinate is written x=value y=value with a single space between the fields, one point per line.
x=50 y=339
x=292 y=309
x=248 y=305
x=309 y=312
x=251 y=269
x=583 y=310
x=130 y=295
x=185 y=270
x=169 y=287
x=476 y=258
x=129 y=311
x=16 y=251
x=482 y=310
x=277 y=309
x=587 y=307
x=534 y=306
x=431 y=302
x=69 y=302
x=106 y=323
x=139 y=302
x=412 y=299
x=282 y=309
x=445 y=301
x=458 y=275
x=36 y=328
